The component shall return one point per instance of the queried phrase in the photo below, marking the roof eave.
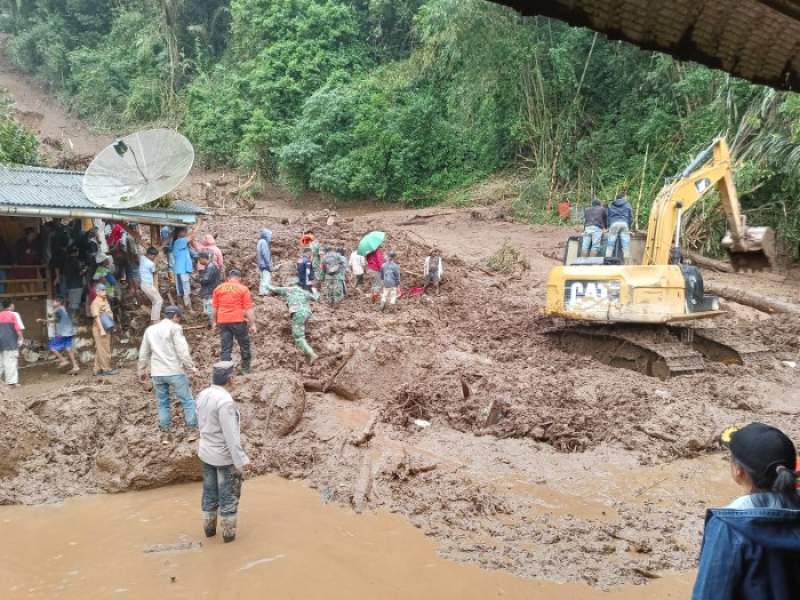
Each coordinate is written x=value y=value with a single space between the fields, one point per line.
x=148 y=217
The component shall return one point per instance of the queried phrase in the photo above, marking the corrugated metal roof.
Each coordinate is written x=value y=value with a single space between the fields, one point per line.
x=39 y=187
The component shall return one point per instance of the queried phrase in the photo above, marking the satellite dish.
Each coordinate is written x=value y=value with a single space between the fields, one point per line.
x=139 y=168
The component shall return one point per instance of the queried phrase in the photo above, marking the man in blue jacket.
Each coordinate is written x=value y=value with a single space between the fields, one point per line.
x=264 y=257
x=751 y=548
x=620 y=220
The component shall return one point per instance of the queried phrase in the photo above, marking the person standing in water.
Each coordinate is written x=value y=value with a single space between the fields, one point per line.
x=221 y=452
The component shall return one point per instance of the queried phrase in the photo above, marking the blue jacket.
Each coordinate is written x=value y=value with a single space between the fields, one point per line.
x=619 y=211
x=263 y=251
x=305 y=271
x=390 y=274
x=751 y=554
x=182 y=256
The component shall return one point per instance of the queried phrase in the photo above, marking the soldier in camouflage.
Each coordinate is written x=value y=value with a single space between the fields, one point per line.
x=298 y=301
x=334 y=271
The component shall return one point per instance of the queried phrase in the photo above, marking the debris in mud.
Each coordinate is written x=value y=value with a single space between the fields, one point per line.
x=508 y=259
x=176 y=547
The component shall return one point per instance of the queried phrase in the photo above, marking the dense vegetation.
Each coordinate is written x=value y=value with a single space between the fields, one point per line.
x=17 y=144
x=410 y=99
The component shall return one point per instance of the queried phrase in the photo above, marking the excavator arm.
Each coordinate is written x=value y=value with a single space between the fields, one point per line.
x=749 y=247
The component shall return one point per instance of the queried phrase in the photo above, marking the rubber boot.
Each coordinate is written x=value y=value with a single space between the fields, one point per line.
x=228 y=528
x=382 y=307
x=307 y=350
x=246 y=367
x=210 y=523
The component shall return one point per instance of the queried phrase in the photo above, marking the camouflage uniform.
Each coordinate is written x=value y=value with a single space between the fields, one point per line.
x=298 y=301
x=335 y=287
x=316 y=258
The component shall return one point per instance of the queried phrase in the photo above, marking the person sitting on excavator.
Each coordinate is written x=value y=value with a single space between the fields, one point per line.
x=594 y=223
x=620 y=221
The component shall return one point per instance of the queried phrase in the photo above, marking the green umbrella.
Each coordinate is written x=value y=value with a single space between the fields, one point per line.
x=371 y=242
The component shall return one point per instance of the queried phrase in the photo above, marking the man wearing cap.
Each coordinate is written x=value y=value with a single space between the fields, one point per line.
x=221 y=452
x=390 y=276
x=233 y=310
x=751 y=548
x=165 y=352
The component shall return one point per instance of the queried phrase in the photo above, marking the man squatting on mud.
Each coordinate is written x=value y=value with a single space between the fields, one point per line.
x=221 y=452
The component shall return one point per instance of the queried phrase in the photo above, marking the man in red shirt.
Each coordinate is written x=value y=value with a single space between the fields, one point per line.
x=232 y=310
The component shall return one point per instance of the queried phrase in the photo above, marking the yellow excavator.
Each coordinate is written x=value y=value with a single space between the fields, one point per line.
x=639 y=315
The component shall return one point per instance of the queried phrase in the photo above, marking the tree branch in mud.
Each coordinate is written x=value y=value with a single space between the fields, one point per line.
x=338 y=370
x=363 y=484
x=762 y=303
x=367 y=434
x=710 y=263
x=338 y=389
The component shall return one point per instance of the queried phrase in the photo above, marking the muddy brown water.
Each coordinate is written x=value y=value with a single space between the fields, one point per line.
x=290 y=545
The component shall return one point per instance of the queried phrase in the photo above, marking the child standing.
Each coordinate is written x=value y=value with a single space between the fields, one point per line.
x=64 y=334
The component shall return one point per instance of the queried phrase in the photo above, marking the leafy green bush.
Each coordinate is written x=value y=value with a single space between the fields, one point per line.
x=18 y=146
x=281 y=52
x=121 y=81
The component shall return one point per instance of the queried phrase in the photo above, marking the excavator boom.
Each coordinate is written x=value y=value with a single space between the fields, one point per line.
x=749 y=248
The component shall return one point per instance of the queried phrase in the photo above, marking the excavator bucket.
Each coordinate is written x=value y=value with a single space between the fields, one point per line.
x=756 y=252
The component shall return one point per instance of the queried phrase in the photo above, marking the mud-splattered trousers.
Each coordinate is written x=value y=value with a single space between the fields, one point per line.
x=299 y=319
x=618 y=230
x=180 y=385
x=222 y=488
x=335 y=289
x=298 y=300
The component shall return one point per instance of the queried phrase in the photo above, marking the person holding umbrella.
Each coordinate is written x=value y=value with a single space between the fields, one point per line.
x=370 y=247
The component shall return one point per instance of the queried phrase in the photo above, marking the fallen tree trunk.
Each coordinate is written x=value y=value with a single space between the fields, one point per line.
x=753 y=300
x=336 y=388
x=710 y=263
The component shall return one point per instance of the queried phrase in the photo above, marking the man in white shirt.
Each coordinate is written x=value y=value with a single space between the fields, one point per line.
x=148 y=276
x=165 y=352
x=433 y=270
x=357 y=265
x=221 y=452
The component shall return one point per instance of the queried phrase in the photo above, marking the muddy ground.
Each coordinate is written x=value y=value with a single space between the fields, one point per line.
x=583 y=472
x=590 y=473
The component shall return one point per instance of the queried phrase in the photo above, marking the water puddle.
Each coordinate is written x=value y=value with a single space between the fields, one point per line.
x=290 y=545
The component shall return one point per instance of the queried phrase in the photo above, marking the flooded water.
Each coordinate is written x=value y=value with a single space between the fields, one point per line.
x=290 y=545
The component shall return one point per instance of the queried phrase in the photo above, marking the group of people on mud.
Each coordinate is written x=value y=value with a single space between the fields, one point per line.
x=165 y=360
x=612 y=222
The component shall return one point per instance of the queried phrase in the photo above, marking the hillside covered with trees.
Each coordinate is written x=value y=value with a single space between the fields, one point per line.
x=409 y=99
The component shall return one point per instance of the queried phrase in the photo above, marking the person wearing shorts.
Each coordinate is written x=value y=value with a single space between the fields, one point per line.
x=61 y=342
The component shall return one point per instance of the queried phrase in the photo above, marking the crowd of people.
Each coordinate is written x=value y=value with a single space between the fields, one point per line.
x=165 y=359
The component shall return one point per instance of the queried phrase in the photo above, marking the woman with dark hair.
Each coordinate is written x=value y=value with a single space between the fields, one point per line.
x=751 y=548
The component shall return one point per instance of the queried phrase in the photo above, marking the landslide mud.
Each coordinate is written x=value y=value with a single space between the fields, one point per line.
x=539 y=484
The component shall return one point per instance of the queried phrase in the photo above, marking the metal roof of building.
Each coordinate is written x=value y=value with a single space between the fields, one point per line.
x=37 y=191
x=758 y=40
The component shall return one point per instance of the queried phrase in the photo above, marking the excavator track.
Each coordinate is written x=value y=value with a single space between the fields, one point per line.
x=653 y=351
x=725 y=346
x=661 y=352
